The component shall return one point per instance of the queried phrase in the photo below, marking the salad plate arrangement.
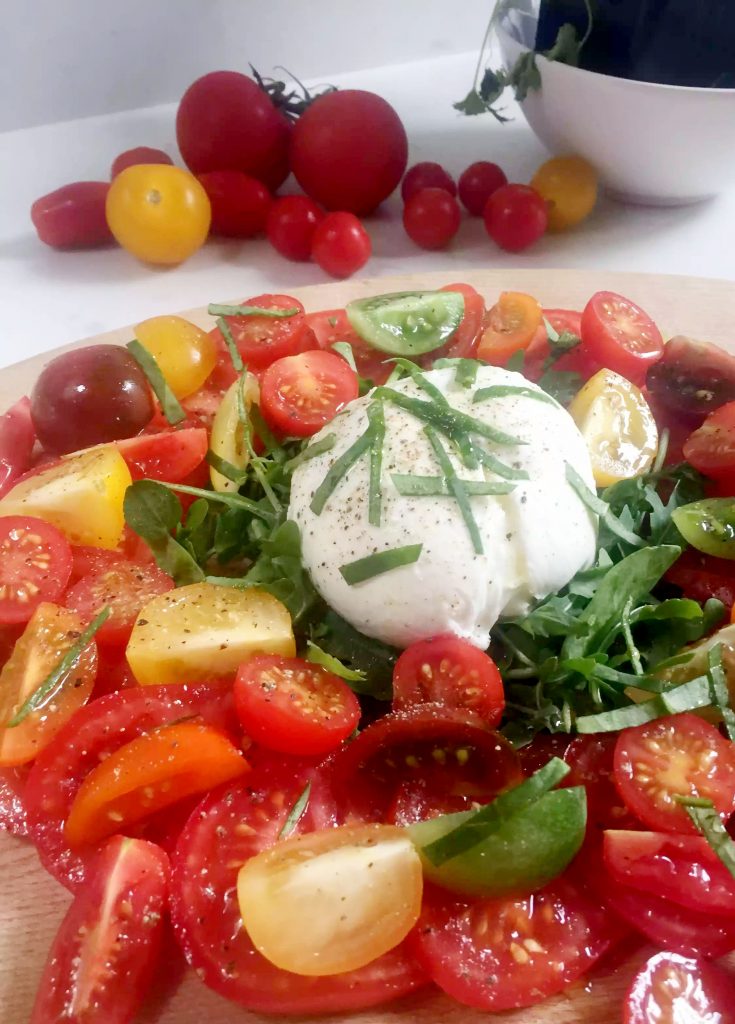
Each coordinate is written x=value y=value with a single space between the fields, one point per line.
x=367 y=650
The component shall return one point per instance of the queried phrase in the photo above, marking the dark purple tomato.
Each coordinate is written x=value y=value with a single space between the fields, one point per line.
x=88 y=397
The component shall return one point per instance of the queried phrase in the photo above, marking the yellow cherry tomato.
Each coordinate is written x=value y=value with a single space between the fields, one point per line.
x=203 y=631
x=159 y=213
x=569 y=186
x=228 y=433
x=617 y=423
x=329 y=902
x=186 y=355
x=82 y=496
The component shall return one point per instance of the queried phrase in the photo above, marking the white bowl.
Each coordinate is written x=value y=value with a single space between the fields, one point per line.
x=664 y=145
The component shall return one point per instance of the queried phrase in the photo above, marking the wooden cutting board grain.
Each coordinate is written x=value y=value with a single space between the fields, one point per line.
x=32 y=904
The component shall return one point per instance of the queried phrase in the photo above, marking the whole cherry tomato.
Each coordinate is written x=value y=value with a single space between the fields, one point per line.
x=292 y=221
x=73 y=217
x=477 y=183
x=240 y=203
x=515 y=217
x=431 y=218
x=426 y=175
x=138 y=155
x=341 y=244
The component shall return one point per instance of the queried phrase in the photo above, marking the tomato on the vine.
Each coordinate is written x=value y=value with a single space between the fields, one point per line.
x=299 y=394
x=431 y=217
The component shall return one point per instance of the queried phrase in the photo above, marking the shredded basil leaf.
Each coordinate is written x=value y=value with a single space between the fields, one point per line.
x=719 y=688
x=317 y=656
x=376 y=419
x=232 y=348
x=325 y=444
x=379 y=562
x=296 y=813
x=169 y=403
x=685 y=697
x=506 y=390
x=707 y=821
x=215 y=309
x=409 y=485
x=445 y=418
x=456 y=487
x=225 y=468
x=344 y=349
x=601 y=508
x=338 y=470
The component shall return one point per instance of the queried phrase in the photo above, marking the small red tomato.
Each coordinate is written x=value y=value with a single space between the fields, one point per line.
x=620 y=335
x=431 y=218
x=515 y=217
x=477 y=183
x=426 y=175
x=341 y=245
x=240 y=203
x=139 y=155
x=299 y=394
x=291 y=224
x=73 y=217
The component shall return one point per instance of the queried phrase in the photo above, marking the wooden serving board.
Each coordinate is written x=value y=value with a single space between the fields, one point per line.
x=32 y=904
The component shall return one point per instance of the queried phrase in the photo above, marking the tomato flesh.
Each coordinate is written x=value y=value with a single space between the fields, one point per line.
x=300 y=394
x=620 y=335
x=35 y=566
x=672 y=989
x=692 y=379
x=124 y=588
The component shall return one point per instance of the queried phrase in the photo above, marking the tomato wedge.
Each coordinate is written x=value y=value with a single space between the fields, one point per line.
x=509 y=327
x=463 y=343
x=17 y=437
x=711 y=448
x=261 y=340
x=35 y=566
x=300 y=394
x=692 y=379
x=104 y=955
x=226 y=830
x=452 y=672
x=671 y=989
x=92 y=735
x=171 y=455
x=681 y=755
x=620 y=335
x=124 y=588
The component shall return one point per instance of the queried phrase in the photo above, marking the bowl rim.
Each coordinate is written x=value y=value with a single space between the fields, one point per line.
x=703 y=89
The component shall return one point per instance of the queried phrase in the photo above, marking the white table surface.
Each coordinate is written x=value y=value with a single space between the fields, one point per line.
x=48 y=298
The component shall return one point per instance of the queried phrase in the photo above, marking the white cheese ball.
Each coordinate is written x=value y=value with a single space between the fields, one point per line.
x=534 y=539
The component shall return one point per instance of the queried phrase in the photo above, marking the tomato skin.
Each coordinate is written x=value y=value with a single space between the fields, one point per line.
x=431 y=217
x=292 y=221
x=73 y=216
x=300 y=394
x=293 y=706
x=104 y=955
x=340 y=244
x=138 y=155
x=671 y=988
x=711 y=447
x=240 y=203
x=35 y=566
x=124 y=588
x=452 y=672
x=261 y=340
x=515 y=217
x=426 y=174
x=682 y=745
x=17 y=437
x=621 y=336
x=702 y=576
x=477 y=183
x=171 y=455
x=692 y=379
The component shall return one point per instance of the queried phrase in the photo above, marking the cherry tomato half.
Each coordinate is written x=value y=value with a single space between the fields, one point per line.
x=296 y=707
x=171 y=455
x=464 y=341
x=332 y=325
x=340 y=244
x=711 y=448
x=240 y=203
x=672 y=989
x=508 y=327
x=515 y=217
x=692 y=379
x=124 y=588
x=261 y=340
x=619 y=335
x=702 y=576
x=35 y=566
x=431 y=217
x=477 y=183
x=299 y=394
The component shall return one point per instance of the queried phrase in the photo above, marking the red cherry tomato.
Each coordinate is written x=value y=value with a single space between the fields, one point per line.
x=123 y=588
x=340 y=244
x=680 y=755
x=292 y=221
x=332 y=325
x=711 y=448
x=349 y=150
x=592 y=763
x=138 y=155
x=620 y=335
x=692 y=379
x=477 y=183
x=73 y=217
x=105 y=953
x=240 y=203
x=261 y=340
x=171 y=455
x=35 y=566
x=452 y=672
x=426 y=174
x=464 y=341
x=290 y=705
x=299 y=394
x=672 y=989
x=431 y=218
x=17 y=437
x=225 y=122
x=703 y=576
x=515 y=217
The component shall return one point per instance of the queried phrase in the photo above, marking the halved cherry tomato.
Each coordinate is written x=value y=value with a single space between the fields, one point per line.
x=684 y=869
x=228 y=437
x=226 y=830
x=464 y=341
x=124 y=588
x=702 y=576
x=105 y=953
x=291 y=705
x=147 y=774
x=89 y=738
x=299 y=394
x=185 y=354
x=35 y=566
x=508 y=327
x=711 y=448
x=672 y=989
x=680 y=755
x=13 y=814
x=261 y=340
x=17 y=437
x=502 y=954
x=692 y=379
x=621 y=336
x=332 y=325
x=592 y=763
x=452 y=672
x=50 y=634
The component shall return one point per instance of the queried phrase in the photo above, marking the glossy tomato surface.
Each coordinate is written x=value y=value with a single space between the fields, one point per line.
x=300 y=394
x=35 y=566
x=123 y=587
x=672 y=989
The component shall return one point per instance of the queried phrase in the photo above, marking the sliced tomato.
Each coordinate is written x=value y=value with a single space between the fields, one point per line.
x=300 y=394
x=703 y=576
x=621 y=336
x=452 y=672
x=105 y=953
x=226 y=830
x=35 y=566
x=123 y=587
x=464 y=341
x=692 y=379
x=450 y=757
x=92 y=735
x=291 y=705
x=711 y=448
x=13 y=814
x=17 y=437
x=261 y=340
x=509 y=327
x=684 y=869
x=331 y=326
x=680 y=755
x=502 y=954
x=542 y=748
x=171 y=455
x=672 y=989
x=592 y=763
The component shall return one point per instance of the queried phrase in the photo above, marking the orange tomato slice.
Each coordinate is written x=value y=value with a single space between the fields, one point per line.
x=509 y=327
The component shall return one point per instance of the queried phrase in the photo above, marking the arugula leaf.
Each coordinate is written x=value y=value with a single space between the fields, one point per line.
x=279 y=569
x=371 y=658
x=317 y=656
x=154 y=513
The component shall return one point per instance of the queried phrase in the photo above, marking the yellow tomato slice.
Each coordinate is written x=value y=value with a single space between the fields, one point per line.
x=228 y=438
x=50 y=634
x=332 y=901
x=616 y=422
x=186 y=355
x=204 y=632
x=82 y=496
